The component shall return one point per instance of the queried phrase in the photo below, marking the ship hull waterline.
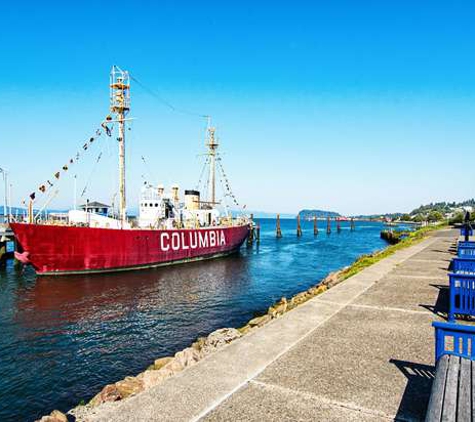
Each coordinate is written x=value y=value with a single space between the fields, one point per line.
x=68 y=250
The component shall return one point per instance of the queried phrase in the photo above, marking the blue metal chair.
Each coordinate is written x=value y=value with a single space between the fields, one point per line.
x=463 y=231
x=454 y=339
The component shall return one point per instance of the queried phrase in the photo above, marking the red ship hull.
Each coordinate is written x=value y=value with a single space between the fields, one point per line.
x=60 y=250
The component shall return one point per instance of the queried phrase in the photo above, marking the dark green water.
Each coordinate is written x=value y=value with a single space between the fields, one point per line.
x=63 y=339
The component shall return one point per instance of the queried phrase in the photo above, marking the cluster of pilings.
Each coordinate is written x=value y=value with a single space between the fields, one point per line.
x=255 y=229
x=278 y=230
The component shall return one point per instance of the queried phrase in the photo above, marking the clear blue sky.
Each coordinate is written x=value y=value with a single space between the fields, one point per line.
x=354 y=106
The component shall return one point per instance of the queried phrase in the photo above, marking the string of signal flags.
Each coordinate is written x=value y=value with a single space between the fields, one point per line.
x=105 y=127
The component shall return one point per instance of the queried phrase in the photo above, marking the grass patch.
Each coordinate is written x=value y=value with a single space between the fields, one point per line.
x=366 y=260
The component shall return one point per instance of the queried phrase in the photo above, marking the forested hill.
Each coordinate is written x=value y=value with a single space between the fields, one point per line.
x=318 y=214
x=442 y=207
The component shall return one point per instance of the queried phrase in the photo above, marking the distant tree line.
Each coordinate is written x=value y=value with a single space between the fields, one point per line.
x=437 y=212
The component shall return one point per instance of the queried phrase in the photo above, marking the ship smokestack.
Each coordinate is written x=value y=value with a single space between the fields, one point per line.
x=192 y=200
x=175 y=196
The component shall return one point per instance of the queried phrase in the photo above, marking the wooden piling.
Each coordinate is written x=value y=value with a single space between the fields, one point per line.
x=352 y=226
x=278 y=231
x=258 y=234
x=250 y=238
x=3 y=251
x=329 y=227
x=338 y=225
x=299 y=229
x=315 y=225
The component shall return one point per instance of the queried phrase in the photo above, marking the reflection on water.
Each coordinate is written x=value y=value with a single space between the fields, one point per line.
x=83 y=298
x=63 y=338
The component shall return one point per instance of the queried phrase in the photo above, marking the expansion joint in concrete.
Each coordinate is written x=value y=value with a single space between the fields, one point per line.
x=388 y=308
x=344 y=405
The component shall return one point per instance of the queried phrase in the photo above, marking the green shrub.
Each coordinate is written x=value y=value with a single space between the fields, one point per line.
x=411 y=239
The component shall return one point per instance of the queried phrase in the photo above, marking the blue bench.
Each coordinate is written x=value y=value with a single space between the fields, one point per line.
x=467 y=244
x=463 y=265
x=453 y=391
x=462 y=295
x=454 y=339
x=466 y=252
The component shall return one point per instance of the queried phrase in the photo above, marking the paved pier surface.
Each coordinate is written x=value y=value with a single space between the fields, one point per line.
x=362 y=351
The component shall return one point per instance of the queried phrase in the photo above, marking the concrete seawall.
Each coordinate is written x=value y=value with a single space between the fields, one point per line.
x=361 y=351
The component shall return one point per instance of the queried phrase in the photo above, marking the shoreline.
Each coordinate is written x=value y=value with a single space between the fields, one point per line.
x=166 y=367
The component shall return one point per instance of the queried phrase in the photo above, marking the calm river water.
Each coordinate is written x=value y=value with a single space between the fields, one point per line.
x=63 y=339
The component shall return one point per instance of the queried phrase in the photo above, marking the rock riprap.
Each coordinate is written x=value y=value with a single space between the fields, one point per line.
x=165 y=367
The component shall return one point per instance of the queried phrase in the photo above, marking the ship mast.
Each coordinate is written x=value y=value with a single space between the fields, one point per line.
x=120 y=106
x=212 y=147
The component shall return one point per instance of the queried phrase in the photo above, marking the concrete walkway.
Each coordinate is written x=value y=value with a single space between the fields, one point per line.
x=362 y=351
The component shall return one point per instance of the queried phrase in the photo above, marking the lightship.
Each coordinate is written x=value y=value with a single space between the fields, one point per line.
x=167 y=231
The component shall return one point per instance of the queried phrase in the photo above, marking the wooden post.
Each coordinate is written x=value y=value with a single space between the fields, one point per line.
x=258 y=233
x=338 y=225
x=352 y=224
x=315 y=226
x=278 y=231
x=329 y=227
x=250 y=239
x=299 y=229
x=3 y=250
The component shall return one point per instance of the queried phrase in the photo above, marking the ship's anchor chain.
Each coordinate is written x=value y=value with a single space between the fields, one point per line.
x=106 y=127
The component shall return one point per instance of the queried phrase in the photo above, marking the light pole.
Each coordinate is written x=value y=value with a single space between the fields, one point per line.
x=5 y=194
x=10 y=215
